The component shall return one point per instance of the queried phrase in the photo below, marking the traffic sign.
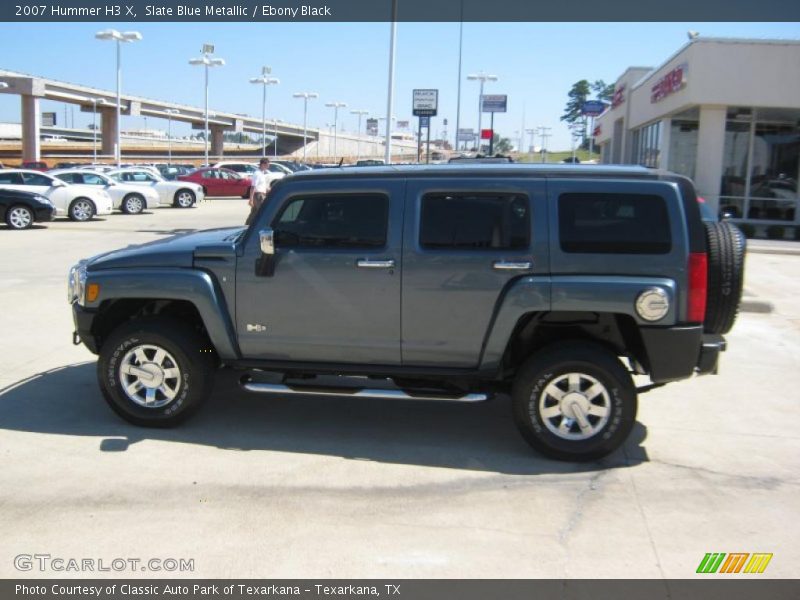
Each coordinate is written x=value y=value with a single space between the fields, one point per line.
x=494 y=103
x=425 y=103
x=593 y=108
x=466 y=135
x=424 y=121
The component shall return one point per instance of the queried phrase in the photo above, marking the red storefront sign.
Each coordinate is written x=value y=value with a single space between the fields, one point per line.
x=618 y=97
x=486 y=134
x=670 y=83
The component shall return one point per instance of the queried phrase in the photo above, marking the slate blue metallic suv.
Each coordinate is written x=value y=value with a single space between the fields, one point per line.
x=554 y=284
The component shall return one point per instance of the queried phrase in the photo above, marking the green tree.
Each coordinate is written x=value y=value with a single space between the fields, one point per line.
x=603 y=91
x=501 y=145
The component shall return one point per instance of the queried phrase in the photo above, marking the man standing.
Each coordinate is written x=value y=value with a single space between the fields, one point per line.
x=258 y=189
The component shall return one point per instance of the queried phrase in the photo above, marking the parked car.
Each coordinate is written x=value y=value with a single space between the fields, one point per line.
x=34 y=165
x=172 y=172
x=66 y=165
x=292 y=165
x=130 y=199
x=78 y=202
x=370 y=162
x=553 y=284
x=181 y=194
x=277 y=171
x=219 y=182
x=20 y=210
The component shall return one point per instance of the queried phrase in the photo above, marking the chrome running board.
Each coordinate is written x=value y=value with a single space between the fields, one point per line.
x=273 y=388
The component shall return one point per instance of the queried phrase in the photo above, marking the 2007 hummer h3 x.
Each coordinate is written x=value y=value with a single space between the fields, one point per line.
x=554 y=284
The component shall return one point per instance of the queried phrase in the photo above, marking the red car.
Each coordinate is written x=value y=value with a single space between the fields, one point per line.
x=219 y=182
x=34 y=165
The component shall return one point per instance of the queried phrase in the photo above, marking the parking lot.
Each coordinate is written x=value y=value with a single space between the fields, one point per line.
x=258 y=486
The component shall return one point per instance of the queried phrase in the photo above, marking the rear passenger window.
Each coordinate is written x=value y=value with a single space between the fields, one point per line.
x=614 y=224
x=475 y=222
x=335 y=221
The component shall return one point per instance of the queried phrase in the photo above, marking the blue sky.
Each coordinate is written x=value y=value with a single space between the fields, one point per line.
x=536 y=64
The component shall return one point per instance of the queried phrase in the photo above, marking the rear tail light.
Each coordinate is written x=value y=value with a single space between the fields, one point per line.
x=698 y=287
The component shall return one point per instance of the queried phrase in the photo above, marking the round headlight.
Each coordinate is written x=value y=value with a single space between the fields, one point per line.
x=652 y=304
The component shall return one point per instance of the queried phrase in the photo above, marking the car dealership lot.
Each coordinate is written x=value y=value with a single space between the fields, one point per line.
x=258 y=486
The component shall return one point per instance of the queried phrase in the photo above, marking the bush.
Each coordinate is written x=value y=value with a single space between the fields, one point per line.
x=775 y=232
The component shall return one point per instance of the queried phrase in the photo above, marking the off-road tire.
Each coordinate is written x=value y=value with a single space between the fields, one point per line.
x=195 y=360
x=726 y=253
x=558 y=360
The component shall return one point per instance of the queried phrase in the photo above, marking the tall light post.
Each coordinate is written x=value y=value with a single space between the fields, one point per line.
x=264 y=81
x=387 y=157
x=360 y=113
x=120 y=38
x=170 y=112
x=458 y=93
x=305 y=96
x=483 y=78
x=207 y=61
x=95 y=102
x=335 y=106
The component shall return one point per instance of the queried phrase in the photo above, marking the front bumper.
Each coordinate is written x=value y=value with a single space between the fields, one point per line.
x=45 y=213
x=674 y=353
x=83 y=318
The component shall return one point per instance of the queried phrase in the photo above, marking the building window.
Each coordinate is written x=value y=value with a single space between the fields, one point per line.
x=646 y=145
x=683 y=147
x=761 y=164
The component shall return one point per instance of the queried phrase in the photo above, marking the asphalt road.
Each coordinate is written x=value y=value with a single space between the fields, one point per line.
x=258 y=486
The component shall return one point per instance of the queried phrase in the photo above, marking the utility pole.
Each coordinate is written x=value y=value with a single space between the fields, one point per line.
x=531 y=132
x=543 y=133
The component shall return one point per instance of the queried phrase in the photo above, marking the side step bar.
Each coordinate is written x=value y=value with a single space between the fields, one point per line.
x=273 y=388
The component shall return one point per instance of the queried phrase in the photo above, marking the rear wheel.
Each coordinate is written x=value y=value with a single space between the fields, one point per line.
x=184 y=198
x=155 y=372
x=726 y=252
x=133 y=204
x=574 y=401
x=19 y=217
x=82 y=209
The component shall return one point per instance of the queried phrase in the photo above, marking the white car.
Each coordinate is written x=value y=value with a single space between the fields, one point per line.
x=246 y=169
x=130 y=199
x=78 y=202
x=182 y=194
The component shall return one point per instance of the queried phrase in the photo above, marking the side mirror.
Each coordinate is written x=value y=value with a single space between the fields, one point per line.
x=267 y=239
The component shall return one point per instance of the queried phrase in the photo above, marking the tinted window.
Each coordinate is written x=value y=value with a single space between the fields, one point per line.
x=11 y=178
x=475 y=221
x=614 y=223
x=333 y=222
x=34 y=179
x=70 y=177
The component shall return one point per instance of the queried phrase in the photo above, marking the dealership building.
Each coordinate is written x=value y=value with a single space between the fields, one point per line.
x=725 y=112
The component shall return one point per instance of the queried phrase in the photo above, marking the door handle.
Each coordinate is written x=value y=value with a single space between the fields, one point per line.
x=364 y=263
x=503 y=265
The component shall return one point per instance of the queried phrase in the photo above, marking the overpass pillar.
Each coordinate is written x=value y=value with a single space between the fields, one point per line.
x=217 y=140
x=108 y=130
x=31 y=128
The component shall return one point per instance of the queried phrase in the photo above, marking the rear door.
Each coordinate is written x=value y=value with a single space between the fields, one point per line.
x=465 y=241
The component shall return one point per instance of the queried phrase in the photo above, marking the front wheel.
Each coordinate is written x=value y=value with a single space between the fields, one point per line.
x=574 y=401
x=155 y=372
x=19 y=217
x=184 y=199
x=81 y=209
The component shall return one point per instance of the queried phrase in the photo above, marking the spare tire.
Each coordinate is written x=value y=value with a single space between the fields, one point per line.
x=726 y=250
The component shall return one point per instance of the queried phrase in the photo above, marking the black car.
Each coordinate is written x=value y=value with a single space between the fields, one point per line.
x=21 y=209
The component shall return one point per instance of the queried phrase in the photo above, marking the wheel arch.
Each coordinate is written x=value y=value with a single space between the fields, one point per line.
x=191 y=296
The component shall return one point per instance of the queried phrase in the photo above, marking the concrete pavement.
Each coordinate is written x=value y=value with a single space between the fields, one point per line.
x=260 y=486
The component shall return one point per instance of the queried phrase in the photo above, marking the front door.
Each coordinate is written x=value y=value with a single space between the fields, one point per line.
x=334 y=295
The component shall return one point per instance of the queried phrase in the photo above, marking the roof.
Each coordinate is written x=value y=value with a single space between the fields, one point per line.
x=476 y=170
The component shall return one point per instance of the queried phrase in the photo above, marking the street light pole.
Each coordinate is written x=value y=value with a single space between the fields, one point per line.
x=95 y=102
x=387 y=158
x=264 y=80
x=483 y=78
x=207 y=61
x=119 y=38
x=306 y=96
x=458 y=93
x=336 y=106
